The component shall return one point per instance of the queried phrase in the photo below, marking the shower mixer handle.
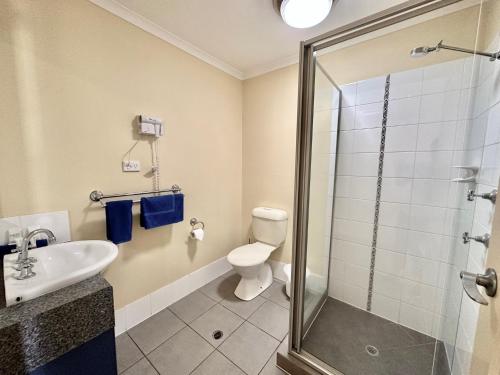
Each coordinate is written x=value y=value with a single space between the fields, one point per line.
x=488 y=281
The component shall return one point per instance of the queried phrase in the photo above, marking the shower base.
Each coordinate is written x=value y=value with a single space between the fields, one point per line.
x=357 y=342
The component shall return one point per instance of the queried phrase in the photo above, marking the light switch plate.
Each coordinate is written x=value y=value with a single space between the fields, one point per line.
x=131 y=166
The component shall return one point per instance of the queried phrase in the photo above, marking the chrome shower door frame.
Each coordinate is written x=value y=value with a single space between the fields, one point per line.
x=305 y=109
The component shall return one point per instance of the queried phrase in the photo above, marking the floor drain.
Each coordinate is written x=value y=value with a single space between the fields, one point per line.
x=373 y=351
x=217 y=334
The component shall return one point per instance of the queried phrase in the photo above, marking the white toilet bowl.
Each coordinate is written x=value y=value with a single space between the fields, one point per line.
x=249 y=261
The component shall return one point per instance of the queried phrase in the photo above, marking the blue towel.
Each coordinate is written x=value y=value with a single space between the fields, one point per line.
x=162 y=210
x=42 y=243
x=119 y=221
x=6 y=249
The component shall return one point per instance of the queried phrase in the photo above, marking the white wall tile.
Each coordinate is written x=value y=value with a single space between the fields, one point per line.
x=403 y=111
x=394 y=214
x=443 y=77
x=346 y=141
x=439 y=107
x=352 y=253
x=371 y=90
x=365 y=164
x=387 y=285
x=366 y=140
x=436 y=136
x=415 y=318
x=348 y=95
x=385 y=307
x=355 y=296
x=396 y=190
x=406 y=84
x=398 y=164
x=354 y=209
x=392 y=238
x=422 y=270
x=57 y=222
x=433 y=164
x=493 y=129
x=347 y=118
x=6 y=224
x=419 y=295
x=357 y=276
x=353 y=231
x=401 y=138
x=430 y=192
x=363 y=187
x=426 y=245
x=369 y=116
x=390 y=262
x=428 y=219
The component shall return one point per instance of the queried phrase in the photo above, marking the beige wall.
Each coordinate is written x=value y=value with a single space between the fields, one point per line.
x=73 y=79
x=269 y=125
x=270 y=105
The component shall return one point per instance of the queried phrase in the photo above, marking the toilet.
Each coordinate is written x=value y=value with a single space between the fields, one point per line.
x=249 y=261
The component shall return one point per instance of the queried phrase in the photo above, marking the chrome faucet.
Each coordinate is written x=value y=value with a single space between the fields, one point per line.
x=23 y=250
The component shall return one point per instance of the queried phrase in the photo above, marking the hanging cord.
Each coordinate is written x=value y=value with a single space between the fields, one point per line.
x=155 y=148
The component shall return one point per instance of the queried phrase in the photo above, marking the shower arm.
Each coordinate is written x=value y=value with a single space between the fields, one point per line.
x=492 y=56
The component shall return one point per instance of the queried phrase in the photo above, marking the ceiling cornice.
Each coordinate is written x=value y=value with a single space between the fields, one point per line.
x=128 y=15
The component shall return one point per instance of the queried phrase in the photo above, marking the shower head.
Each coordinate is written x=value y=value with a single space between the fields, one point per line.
x=424 y=51
x=421 y=51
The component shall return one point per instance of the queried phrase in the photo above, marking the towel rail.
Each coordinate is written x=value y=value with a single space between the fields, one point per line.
x=98 y=196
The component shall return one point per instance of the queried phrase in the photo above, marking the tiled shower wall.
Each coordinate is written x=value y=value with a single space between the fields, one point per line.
x=483 y=149
x=426 y=127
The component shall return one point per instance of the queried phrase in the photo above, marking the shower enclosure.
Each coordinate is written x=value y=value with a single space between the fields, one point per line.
x=389 y=148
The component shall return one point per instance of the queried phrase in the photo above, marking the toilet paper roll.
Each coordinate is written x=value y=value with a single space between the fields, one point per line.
x=198 y=234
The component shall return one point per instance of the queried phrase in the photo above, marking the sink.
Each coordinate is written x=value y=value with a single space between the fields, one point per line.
x=58 y=266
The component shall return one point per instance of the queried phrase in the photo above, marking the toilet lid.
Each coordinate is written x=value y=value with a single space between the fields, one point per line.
x=250 y=255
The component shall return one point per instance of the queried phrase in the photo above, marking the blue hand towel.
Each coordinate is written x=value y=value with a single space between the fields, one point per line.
x=6 y=249
x=162 y=210
x=119 y=221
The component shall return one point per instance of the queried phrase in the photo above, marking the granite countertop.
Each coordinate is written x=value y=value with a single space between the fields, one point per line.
x=37 y=331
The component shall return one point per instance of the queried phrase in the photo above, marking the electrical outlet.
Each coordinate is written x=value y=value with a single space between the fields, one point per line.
x=131 y=166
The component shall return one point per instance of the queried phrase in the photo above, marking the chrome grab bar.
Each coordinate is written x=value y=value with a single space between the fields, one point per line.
x=488 y=281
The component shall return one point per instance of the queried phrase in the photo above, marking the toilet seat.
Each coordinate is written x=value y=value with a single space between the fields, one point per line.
x=250 y=255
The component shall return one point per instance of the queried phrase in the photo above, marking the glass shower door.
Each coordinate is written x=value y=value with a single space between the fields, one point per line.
x=321 y=184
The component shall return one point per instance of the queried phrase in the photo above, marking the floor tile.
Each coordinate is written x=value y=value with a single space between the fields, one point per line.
x=217 y=318
x=143 y=367
x=192 y=306
x=155 y=330
x=221 y=288
x=217 y=364
x=271 y=318
x=242 y=308
x=127 y=353
x=276 y=293
x=249 y=348
x=270 y=368
x=180 y=354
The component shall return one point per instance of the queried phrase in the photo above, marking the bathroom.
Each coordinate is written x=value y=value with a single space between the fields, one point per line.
x=330 y=187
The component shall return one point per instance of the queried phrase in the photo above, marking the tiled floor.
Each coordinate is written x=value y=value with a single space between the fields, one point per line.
x=179 y=340
x=400 y=350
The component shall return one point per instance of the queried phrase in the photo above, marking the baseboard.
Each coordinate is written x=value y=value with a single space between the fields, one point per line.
x=143 y=308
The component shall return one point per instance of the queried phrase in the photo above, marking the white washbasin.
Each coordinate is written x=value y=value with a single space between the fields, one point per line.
x=58 y=266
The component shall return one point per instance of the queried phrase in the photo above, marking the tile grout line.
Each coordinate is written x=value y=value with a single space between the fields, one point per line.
x=379 y=193
x=144 y=355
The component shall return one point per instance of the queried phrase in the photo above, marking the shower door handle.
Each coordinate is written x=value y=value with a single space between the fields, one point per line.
x=488 y=280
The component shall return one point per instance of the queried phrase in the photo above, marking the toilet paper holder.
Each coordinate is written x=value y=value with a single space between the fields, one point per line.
x=194 y=222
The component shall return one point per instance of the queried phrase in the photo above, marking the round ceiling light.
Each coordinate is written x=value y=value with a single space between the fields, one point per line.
x=301 y=14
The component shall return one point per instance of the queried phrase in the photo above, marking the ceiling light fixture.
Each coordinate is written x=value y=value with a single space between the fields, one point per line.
x=302 y=14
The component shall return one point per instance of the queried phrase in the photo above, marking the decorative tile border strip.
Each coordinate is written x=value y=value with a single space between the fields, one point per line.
x=379 y=192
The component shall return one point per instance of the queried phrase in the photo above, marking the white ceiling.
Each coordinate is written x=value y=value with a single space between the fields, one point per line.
x=242 y=37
